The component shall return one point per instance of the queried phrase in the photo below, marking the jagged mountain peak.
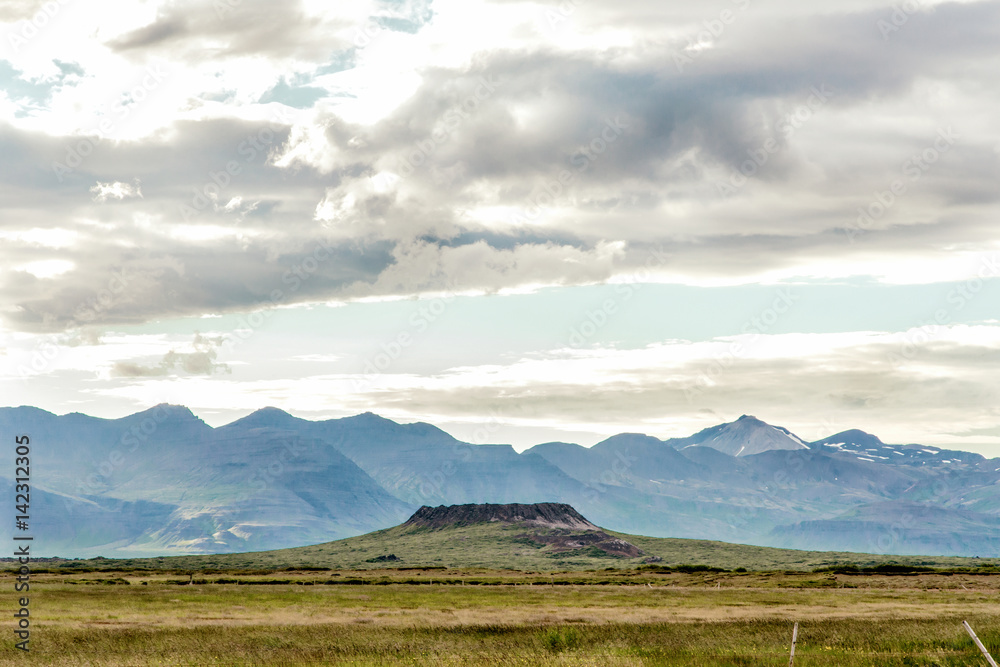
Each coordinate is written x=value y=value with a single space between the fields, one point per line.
x=745 y=437
x=342 y=477
x=167 y=412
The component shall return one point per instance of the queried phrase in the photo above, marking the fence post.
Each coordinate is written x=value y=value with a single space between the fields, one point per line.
x=989 y=658
x=795 y=636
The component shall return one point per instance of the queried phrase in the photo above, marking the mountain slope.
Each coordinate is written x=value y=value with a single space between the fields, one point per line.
x=421 y=464
x=170 y=483
x=455 y=538
x=900 y=527
x=180 y=486
x=867 y=447
x=744 y=437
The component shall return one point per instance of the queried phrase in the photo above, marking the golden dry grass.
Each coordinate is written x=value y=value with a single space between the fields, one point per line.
x=640 y=619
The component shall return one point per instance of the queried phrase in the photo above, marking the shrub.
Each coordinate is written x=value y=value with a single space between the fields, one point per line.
x=561 y=639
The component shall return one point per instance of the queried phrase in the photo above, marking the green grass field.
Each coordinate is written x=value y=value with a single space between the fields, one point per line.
x=482 y=617
x=487 y=595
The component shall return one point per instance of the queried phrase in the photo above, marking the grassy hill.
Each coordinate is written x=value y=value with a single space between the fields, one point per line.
x=506 y=546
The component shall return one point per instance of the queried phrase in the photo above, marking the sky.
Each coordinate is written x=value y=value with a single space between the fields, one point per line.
x=519 y=221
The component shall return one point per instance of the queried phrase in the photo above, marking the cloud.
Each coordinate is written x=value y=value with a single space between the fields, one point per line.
x=916 y=380
x=19 y=10
x=908 y=386
x=186 y=29
x=507 y=164
x=479 y=267
x=117 y=190
x=199 y=362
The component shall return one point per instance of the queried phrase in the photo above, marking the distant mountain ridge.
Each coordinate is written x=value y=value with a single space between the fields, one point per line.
x=163 y=482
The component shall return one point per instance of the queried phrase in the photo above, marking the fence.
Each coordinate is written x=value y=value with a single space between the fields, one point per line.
x=965 y=624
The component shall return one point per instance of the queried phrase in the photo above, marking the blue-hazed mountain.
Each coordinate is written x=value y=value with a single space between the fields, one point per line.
x=162 y=481
x=744 y=437
x=868 y=447
x=883 y=527
x=423 y=465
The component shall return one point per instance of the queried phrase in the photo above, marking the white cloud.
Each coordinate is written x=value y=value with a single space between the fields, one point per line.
x=117 y=190
x=905 y=387
x=46 y=268
x=49 y=238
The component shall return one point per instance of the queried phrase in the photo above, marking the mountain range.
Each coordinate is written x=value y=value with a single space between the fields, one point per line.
x=163 y=482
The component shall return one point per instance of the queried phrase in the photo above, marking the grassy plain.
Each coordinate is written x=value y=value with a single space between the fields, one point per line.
x=489 y=617
x=489 y=595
